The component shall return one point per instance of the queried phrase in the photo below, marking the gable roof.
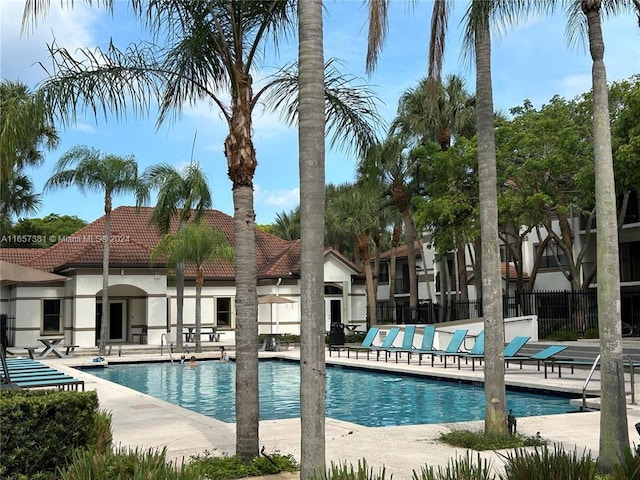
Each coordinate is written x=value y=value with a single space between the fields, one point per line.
x=401 y=251
x=133 y=240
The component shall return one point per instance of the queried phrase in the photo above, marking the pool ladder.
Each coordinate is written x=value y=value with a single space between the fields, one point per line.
x=163 y=340
x=593 y=369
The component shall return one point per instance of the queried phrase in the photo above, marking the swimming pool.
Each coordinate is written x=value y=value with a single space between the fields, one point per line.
x=372 y=399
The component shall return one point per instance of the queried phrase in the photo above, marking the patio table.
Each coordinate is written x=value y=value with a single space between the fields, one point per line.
x=51 y=346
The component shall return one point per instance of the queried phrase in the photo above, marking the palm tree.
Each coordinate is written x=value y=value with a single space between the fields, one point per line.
x=287 y=225
x=17 y=198
x=311 y=133
x=25 y=127
x=614 y=436
x=478 y=40
x=358 y=208
x=179 y=194
x=210 y=50
x=391 y=164
x=195 y=244
x=89 y=170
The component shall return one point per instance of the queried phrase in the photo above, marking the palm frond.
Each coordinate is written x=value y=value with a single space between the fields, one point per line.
x=378 y=29
x=103 y=82
x=351 y=108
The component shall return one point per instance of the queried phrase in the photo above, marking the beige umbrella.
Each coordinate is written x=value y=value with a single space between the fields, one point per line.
x=12 y=273
x=271 y=299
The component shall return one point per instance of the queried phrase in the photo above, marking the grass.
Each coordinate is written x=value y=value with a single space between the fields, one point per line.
x=478 y=440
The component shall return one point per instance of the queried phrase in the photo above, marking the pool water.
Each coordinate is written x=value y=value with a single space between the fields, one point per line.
x=367 y=398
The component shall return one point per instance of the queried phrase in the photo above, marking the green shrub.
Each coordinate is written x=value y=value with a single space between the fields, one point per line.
x=541 y=464
x=125 y=464
x=345 y=471
x=592 y=333
x=231 y=467
x=103 y=438
x=462 y=468
x=562 y=336
x=628 y=468
x=478 y=440
x=41 y=430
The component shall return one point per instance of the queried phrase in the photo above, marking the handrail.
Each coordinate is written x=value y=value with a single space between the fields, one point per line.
x=586 y=382
x=163 y=339
x=632 y=379
x=595 y=365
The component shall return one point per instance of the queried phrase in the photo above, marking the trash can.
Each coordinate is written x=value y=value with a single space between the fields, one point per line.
x=336 y=334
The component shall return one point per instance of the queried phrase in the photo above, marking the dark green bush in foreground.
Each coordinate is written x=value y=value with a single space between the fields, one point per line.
x=41 y=430
x=478 y=440
x=230 y=467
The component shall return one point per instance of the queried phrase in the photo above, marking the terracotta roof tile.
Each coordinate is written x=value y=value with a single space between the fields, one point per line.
x=133 y=240
x=513 y=273
x=19 y=255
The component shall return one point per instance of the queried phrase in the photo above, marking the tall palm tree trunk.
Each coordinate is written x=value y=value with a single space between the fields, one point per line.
x=363 y=248
x=495 y=416
x=241 y=159
x=199 y=282
x=614 y=437
x=102 y=349
x=312 y=192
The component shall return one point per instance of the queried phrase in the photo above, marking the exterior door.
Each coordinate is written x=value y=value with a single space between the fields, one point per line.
x=332 y=312
x=116 y=328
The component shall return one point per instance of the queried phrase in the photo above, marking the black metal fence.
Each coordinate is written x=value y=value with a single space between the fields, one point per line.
x=556 y=310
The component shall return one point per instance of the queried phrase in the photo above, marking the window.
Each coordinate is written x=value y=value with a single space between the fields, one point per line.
x=51 y=316
x=383 y=276
x=630 y=261
x=553 y=256
x=223 y=312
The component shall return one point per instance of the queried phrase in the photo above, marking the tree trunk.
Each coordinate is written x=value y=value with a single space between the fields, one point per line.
x=411 y=261
x=241 y=159
x=311 y=128
x=363 y=248
x=102 y=349
x=199 y=282
x=180 y=298
x=494 y=387
x=614 y=436
x=393 y=267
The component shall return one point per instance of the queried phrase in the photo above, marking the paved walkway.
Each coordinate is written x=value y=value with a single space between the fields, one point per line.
x=143 y=421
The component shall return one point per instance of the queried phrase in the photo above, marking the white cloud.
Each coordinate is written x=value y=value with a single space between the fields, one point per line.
x=86 y=128
x=573 y=85
x=282 y=198
x=70 y=27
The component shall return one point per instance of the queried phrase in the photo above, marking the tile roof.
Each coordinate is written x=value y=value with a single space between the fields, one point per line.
x=513 y=273
x=401 y=251
x=133 y=240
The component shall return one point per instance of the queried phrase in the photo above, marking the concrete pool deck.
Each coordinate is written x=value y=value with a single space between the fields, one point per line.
x=142 y=421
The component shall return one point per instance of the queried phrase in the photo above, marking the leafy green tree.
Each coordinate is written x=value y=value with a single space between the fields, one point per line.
x=195 y=244
x=477 y=39
x=181 y=195
x=89 y=170
x=52 y=229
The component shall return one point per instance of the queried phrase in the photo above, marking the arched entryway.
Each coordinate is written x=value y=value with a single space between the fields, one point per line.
x=127 y=314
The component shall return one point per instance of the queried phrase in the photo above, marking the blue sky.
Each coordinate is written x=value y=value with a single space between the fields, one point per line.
x=531 y=61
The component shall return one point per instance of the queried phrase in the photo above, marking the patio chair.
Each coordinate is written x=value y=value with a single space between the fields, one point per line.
x=546 y=356
x=386 y=344
x=426 y=348
x=366 y=343
x=477 y=351
x=510 y=351
x=407 y=343
x=452 y=349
